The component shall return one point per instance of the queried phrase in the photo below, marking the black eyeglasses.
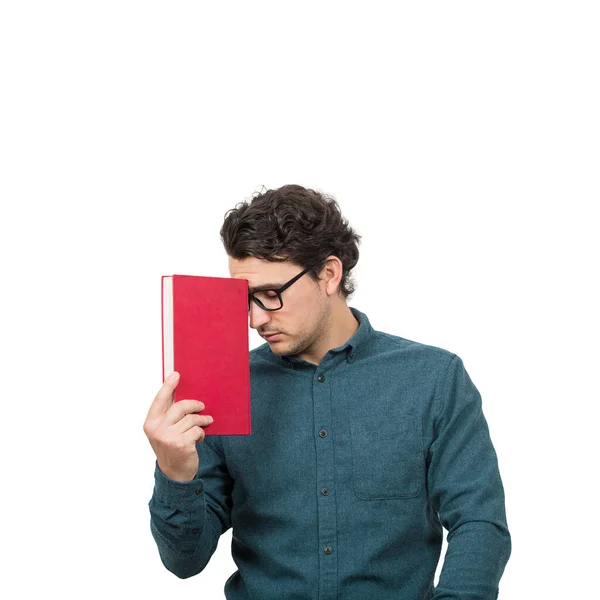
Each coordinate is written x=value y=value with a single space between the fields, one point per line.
x=270 y=299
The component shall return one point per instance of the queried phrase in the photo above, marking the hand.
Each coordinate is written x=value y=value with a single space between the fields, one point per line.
x=173 y=431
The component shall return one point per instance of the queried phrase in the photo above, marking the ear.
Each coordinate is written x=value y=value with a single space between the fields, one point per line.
x=331 y=275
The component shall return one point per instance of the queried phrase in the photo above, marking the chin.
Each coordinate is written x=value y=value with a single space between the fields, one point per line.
x=279 y=349
x=284 y=349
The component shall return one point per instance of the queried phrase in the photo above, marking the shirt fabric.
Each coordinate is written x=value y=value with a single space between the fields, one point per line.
x=341 y=491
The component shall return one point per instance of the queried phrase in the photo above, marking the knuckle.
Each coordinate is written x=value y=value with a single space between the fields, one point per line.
x=176 y=412
x=150 y=431
x=179 y=444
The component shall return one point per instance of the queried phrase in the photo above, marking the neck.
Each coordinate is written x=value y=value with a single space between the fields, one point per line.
x=341 y=326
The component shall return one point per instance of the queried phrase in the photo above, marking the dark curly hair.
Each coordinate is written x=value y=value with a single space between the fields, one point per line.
x=296 y=224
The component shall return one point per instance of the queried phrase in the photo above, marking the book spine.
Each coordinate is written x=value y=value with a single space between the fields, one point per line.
x=162 y=322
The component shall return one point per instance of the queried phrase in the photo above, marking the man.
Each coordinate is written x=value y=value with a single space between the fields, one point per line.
x=364 y=444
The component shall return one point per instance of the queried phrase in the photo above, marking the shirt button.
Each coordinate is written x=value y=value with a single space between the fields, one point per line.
x=321 y=378
x=323 y=433
x=328 y=549
x=325 y=491
x=199 y=490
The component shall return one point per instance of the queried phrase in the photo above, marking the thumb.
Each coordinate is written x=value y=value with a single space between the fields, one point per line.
x=164 y=398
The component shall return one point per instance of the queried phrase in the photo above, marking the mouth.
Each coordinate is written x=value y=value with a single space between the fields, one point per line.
x=271 y=337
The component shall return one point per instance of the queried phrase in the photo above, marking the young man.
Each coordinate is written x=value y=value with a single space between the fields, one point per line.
x=364 y=444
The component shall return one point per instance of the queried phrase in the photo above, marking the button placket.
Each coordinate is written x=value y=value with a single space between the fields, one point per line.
x=325 y=475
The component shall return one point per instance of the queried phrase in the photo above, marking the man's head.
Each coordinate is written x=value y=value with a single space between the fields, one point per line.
x=276 y=236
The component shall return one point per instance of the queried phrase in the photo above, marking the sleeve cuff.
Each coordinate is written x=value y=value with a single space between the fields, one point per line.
x=183 y=495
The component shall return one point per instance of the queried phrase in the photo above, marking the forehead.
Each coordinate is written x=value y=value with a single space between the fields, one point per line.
x=261 y=272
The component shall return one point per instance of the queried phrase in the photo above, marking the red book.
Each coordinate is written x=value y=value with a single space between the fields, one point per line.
x=205 y=339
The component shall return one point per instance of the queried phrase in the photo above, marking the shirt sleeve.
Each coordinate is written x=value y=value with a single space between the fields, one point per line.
x=466 y=490
x=187 y=518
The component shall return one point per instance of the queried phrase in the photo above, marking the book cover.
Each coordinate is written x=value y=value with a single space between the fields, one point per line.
x=205 y=339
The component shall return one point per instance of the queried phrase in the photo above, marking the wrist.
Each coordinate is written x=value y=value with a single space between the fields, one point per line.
x=175 y=474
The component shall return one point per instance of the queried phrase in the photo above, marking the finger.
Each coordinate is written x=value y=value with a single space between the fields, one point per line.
x=179 y=409
x=195 y=434
x=189 y=421
x=164 y=398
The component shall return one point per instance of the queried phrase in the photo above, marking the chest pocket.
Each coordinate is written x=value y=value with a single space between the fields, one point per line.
x=387 y=456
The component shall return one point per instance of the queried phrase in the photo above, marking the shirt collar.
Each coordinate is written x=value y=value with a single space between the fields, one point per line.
x=350 y=350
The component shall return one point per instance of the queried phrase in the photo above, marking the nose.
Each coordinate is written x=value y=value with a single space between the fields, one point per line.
x=258 y=316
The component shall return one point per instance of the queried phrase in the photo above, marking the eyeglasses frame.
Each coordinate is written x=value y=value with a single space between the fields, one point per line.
x=278 y=291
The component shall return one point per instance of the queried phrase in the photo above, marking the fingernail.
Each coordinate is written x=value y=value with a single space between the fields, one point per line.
x=173 y=376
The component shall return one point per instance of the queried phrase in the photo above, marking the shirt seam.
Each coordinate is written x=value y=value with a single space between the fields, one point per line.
x=440 y=389
x=400 y=341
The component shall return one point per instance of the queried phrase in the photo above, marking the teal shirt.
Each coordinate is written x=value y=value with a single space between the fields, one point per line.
x=341 y=491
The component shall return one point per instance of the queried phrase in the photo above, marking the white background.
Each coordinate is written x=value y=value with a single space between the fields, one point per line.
x=461 y=140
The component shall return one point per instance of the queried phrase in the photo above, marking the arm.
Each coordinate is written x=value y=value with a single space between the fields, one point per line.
x=466 y=490
x=187 y=518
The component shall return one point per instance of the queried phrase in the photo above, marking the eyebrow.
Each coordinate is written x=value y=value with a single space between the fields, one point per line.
x=265 y=286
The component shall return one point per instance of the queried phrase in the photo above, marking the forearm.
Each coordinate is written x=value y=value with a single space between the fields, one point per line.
x=475 y=560
x=183 y=525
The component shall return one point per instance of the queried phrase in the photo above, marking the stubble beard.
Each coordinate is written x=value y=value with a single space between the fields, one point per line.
x=300 y=345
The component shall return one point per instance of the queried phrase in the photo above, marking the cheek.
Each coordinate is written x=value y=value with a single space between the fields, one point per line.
x=300 y=313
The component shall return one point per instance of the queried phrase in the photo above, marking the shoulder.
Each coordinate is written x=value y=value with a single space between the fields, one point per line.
x=405 y=349
x=423 y=364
